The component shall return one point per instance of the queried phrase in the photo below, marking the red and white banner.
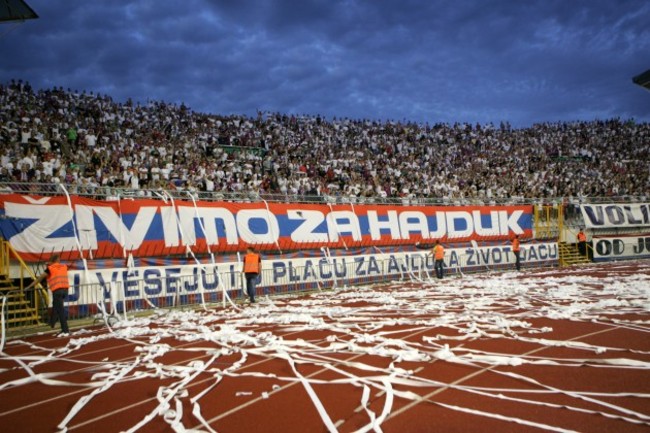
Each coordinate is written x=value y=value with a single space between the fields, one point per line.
x=39 y=226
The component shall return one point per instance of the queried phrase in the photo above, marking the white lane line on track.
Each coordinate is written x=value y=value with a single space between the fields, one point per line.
x=257 y=399
x=120 y=410
x=82 y=370
x=475 y=373
x=426 y=397
x=260 y=398
x=154 y=399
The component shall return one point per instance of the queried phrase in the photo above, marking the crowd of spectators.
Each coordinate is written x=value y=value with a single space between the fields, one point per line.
x=92 y=144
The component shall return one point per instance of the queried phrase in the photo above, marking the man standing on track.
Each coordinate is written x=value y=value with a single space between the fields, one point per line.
x=582 y=242
x=516 y=250
x=56 y=274
x=439 y=257
x=252 y=268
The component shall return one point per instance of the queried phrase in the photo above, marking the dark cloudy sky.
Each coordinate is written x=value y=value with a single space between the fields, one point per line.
x=523 y=61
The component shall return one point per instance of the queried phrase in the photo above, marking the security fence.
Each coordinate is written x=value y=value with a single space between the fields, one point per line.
x=121 y=297
x=112 y=194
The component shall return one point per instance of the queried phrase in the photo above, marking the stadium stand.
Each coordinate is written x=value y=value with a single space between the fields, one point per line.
x=96 y=145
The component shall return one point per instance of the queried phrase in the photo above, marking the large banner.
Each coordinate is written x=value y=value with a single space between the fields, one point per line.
x=84 y=228
x=606 y=216
x=211 y=280
x=608 y=248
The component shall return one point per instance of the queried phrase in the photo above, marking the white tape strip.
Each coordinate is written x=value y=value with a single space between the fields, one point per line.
x=506 y=418
x=314 y=398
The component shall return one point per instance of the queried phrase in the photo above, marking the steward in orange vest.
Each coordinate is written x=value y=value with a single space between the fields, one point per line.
x=252 y=268
x=57 y=278
x=56 y=274
x=439 y=256
x=582 y=242
x=516 y=249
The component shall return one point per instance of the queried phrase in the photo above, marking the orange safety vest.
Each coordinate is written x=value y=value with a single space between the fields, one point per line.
x=515 y=244
x=252 y=263
x=58 y=277
x=439 y=252
x=582 y=237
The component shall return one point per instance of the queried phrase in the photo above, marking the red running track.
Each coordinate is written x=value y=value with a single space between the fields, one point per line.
x=545 y=350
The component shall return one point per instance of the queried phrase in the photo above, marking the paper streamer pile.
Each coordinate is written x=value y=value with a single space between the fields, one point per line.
x=416 y=322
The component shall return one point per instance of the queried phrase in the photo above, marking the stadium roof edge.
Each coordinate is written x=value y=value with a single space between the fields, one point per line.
x=16 y=10
x=643 y=79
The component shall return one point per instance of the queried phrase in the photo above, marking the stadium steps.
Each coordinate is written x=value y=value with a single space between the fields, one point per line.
x=20 y=308
x=5 y=282
x=570 y=255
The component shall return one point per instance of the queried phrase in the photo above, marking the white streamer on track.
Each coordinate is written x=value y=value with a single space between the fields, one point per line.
x=399 y=322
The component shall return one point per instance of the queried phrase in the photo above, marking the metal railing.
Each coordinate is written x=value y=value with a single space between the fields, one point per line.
x=122 y=298
x=110 y=193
